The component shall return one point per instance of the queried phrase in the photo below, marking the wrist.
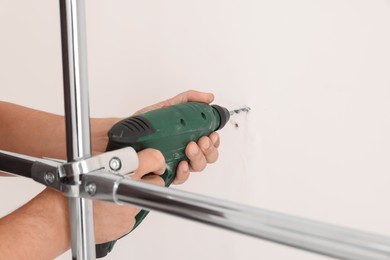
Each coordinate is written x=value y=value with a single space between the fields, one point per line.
x=99 y=130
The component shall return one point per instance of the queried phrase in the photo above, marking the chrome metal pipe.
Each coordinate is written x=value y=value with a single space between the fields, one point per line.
x=309 y=235
x=74 y=55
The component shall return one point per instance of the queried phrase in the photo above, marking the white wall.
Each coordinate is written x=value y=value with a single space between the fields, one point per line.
x=315 y=73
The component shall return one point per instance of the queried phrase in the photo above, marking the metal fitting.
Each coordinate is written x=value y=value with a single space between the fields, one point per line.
x=115 y=164
x=90 y=188
x=49 y=177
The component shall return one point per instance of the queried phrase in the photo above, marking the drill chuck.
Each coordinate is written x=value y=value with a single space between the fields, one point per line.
x=224 y=115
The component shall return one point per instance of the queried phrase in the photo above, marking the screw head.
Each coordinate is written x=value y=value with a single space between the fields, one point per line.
x=49 y=177
x=90 y=188
x=115 y=164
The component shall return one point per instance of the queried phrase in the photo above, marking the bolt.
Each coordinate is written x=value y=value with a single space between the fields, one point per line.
x=115 y=164
x=90 y=188
x=49 y=177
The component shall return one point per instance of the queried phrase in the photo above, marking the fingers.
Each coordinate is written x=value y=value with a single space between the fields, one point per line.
x=153 y=179
x=203 y=152
x=209 y=146
x=121 y=219
x=182 y=173
x=188 y=96
x=199 y=154
x=191 y=95
x=214 y=136
x=150 y=161
x=197 y=160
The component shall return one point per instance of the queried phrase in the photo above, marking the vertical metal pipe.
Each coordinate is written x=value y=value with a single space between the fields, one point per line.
x=74 y=54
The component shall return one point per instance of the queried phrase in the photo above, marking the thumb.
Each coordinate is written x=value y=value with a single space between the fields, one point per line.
x=188 y=96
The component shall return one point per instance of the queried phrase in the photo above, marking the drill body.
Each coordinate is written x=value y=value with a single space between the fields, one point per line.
x=168 y=130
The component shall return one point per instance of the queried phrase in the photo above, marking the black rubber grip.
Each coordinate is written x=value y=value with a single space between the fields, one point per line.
x=103 y=249
x=19 y=166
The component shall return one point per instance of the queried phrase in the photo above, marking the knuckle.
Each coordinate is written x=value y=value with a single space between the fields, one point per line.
x=156 y=155
x=170 y=102
x=178 y=179
x=189 y=151
x=215 y=138
x=190 y=92
x=181 y=180
x=161 y=170
x=206 y=145
x=199 y=166
x=212 y=158
x=210 y=150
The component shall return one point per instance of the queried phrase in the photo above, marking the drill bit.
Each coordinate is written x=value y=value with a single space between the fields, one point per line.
x=239 y=110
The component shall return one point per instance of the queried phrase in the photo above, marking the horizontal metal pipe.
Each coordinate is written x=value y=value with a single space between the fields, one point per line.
x=309 y=235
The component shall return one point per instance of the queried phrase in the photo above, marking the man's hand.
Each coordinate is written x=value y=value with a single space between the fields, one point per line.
x=200 y=153
x=112 y=221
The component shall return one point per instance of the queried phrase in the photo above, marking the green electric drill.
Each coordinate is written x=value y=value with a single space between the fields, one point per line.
x=169 y=130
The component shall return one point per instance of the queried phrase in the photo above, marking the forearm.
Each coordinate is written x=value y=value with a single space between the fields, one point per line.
x=38 y=230
x=41 y=134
